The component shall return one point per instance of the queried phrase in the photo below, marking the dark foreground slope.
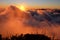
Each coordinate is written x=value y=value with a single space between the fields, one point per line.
x=27 y=37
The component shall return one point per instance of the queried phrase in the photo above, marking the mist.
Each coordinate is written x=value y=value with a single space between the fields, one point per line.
x=14 y=21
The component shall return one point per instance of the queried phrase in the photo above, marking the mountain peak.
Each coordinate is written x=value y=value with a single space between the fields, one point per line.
x=14 y=11
x=12 y=7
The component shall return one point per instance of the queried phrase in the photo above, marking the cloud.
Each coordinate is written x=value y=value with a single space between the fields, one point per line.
x=36 y=19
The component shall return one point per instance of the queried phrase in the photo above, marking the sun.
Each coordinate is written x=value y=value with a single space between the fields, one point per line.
x=23 y=8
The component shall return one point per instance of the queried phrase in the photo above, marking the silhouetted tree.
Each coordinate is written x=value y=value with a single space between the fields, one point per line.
x=0 y=37
x=7 y=38
x=27 y=37
x=36 y=37
x=20 y=37
x=14 y=38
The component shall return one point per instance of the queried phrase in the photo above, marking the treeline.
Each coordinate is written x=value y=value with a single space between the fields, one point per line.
x=27 y=37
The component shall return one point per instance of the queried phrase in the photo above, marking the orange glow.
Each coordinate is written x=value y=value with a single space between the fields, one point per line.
x=23 y=8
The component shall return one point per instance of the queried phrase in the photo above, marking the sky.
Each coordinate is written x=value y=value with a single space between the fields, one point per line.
x=32 y=3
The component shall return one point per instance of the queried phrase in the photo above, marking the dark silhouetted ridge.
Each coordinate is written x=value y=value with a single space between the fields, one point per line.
x=27 y=37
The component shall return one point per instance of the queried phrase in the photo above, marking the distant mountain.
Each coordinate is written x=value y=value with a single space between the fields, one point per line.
x=11 y=13
x=14 y=11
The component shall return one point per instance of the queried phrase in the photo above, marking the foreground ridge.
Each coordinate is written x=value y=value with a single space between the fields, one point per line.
x=27 y=37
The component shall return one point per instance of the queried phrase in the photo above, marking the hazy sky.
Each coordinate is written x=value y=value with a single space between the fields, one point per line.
x=33 y=3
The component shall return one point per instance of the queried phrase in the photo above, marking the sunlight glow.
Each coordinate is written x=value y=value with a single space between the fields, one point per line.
x=22 y=8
